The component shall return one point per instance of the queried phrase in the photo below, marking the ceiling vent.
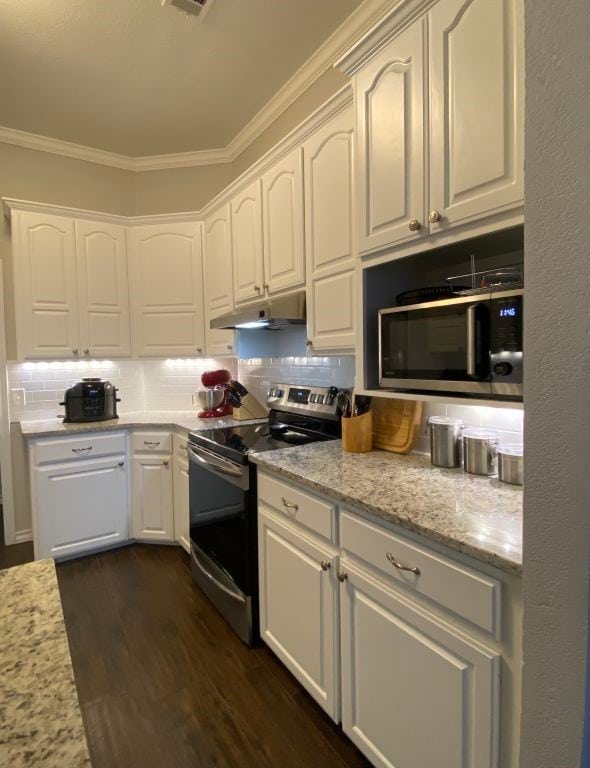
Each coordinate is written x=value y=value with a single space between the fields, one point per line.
x=196 y=7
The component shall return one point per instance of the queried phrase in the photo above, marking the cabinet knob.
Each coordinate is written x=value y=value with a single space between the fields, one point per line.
x=121 y=463
x=342 y=576
x=414 y=225
x=165 y=462
x=199 y=349
x=86 y=351
x=309 y=343
x=325 y=565
x=265 y=286
x=75 y=350
x=257 y=288
x=434 y=217
x=230 y=347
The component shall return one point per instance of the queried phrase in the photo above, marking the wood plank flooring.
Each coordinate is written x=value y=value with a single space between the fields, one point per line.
x=164 y=682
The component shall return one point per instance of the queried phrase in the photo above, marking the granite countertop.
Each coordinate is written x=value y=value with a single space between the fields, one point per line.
x=478 y=516
x=177 y=420
x=40 y=719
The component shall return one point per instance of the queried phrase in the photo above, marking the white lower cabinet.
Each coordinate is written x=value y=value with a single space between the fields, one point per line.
x=152 y=497
x=79 y=505
x=415 y=692
x=299 y=607
x=414 y=685
x=181 y=497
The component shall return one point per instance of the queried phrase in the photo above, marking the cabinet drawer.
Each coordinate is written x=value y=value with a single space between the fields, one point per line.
x=472 y=595
x=88 y=446
x=151 y=442
x=180 y=443
x=307 y=510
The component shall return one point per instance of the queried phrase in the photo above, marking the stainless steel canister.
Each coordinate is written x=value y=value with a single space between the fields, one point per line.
x=445 y=441
x=480 y=447
x=511 y=464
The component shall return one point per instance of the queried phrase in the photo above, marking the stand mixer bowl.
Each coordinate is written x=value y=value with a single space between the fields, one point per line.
x=209 y=399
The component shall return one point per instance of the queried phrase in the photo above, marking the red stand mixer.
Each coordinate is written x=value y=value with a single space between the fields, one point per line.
x=212 y=396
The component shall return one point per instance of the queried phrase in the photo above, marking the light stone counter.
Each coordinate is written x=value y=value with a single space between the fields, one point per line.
x=478 y=516
x=40 y=721
x=186 y=421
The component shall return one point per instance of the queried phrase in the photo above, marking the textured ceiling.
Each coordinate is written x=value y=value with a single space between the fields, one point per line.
x=132 y=77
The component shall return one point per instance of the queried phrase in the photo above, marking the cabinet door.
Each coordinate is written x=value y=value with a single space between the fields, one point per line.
x=167 y=289
x=246 y=227
x=328 y=165
x=181 y=503
x=390 y=142
x=152 y=498
x=80 y=507
x=220 y=343
x=331 y=311
x=299 y=608
x=477 y=97
x=218 y=264
x=45 y=286
x=103 y=289
x=282 y=216
x=415 y=693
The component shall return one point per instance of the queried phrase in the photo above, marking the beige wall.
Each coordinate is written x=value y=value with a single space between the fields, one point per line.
x=30 y=175
x=188 y=189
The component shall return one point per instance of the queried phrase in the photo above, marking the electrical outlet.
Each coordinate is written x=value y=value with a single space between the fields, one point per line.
x=18 y=398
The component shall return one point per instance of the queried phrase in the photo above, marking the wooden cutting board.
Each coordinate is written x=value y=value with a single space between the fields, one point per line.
x=395 y=423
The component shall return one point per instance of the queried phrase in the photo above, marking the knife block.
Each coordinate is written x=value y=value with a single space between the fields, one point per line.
x=357 y=433
x=251 y=409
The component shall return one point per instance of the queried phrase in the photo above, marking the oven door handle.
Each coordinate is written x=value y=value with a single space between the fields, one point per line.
x=216 y=464
x=235 y=595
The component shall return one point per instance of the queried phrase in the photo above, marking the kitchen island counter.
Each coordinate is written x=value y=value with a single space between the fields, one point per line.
x=478 y=516
x=40 y=720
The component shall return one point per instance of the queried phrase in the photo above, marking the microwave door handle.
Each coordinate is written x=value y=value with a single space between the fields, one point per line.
x=471 y=340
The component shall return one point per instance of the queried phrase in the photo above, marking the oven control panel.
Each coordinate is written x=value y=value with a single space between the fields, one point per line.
x=318 y=401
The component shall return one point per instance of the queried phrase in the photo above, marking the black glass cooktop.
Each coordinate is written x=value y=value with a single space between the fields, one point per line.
x=236 y=442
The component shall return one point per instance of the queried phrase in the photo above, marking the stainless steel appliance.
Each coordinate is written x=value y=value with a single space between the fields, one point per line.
x=222 y=495
x=90 y=400
x=471 y=345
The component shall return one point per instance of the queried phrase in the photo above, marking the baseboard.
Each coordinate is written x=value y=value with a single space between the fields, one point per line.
x=22 y=536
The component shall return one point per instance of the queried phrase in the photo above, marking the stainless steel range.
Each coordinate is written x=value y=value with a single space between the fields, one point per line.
x=223 y=502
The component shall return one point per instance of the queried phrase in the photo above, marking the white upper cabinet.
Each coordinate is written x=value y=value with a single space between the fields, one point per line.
x=103 y=290
x=477 y=97
x=167 y=291
x=390 y=142
x=329 y=224
x=282 y=216
x=46 y=296
x=246 y=225
x=218 y=264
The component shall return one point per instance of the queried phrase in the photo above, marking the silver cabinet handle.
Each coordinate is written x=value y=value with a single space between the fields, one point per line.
x=289 y=505
x=325 y=565
x=414 y=225
x=434 y=217
x=396 y=564
x=342 y=576
x=152 y=443
x=81 y=450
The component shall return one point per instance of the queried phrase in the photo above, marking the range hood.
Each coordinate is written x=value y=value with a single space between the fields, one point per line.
x=269 y=313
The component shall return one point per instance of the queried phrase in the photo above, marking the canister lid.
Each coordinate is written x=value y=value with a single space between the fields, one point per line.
x=513 y=449
x=445 y=420
x=479 y=433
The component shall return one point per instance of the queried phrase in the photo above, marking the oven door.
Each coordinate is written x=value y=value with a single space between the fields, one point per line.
x=437 y=346
x=222 y=531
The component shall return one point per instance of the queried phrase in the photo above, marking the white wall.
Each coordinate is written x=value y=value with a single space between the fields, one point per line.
x=557 y=376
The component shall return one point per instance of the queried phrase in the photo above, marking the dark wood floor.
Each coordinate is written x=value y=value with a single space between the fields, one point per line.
x=17 y=554
x=163 y=681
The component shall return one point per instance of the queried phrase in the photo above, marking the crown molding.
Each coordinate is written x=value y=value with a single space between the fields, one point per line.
x=354 y=27
x=12 y=205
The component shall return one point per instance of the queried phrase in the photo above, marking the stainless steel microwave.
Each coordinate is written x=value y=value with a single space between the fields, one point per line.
x=468 y=345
